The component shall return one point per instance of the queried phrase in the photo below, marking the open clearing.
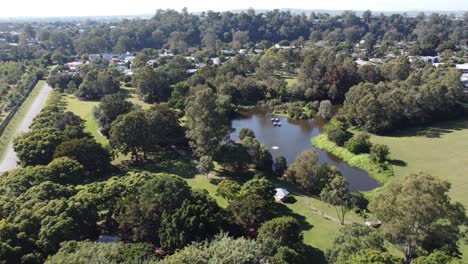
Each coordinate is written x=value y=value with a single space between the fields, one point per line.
x=440 y=149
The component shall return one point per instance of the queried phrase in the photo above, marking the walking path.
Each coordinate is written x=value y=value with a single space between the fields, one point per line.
x=10 y=160
x=316 y=210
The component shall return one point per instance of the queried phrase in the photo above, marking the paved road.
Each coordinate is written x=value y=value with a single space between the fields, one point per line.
x=10 y=161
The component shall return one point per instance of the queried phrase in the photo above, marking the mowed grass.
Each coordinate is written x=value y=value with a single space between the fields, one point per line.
x=440 y=149
x=12 y=128
x=84 y=109
x=321 y=232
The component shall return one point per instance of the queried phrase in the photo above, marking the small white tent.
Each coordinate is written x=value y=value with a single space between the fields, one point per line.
x=281 y=194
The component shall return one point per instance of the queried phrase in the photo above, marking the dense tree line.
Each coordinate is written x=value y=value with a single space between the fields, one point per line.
x=424 y=97
x=15 y=82
x=56 y=133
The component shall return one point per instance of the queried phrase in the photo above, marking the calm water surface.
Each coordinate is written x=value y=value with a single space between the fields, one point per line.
x=292 y=138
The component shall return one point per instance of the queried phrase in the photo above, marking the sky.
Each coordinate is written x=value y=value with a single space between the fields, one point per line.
x=46 y=8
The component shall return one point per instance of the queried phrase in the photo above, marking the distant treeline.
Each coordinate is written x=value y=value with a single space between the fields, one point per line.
x=180 y=30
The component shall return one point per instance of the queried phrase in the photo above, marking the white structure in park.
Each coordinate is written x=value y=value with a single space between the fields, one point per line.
x=281 y=194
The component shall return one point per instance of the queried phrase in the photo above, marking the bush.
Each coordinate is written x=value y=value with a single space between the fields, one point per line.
x=336 y=132
x=379 y=153
x=359 y=143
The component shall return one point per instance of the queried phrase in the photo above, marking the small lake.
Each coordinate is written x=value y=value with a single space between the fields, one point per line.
x=292 y=138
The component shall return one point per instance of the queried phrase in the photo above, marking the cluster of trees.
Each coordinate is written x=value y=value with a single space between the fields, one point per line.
x=423 y=97
x=418 y=216
x=16 y=80
x=56 y=133
x=92 y=82
x=179 y=30
x=142 y=132
x=154 y=85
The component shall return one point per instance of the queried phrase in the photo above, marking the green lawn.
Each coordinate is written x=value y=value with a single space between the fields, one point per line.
x=10 y=131
x=440 y=149
x=85 y=110
x=319 y=234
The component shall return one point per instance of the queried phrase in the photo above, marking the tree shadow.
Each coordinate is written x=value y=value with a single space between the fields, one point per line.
x=435 y=130
x=184 y=168
x=396 y=162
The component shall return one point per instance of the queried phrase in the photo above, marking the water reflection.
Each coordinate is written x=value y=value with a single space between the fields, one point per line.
x=292 y=138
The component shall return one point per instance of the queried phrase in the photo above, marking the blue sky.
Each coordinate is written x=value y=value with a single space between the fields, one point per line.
x=12 y=8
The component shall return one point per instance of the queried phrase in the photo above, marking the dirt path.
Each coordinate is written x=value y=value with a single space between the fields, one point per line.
x=10 y=161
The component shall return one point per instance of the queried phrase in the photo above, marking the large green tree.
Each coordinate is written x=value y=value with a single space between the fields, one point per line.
x=337 y=194
x=206 y=123
x=110 y=107
x=411 y=205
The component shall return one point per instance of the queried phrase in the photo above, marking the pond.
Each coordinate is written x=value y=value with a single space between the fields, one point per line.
x=293 y=137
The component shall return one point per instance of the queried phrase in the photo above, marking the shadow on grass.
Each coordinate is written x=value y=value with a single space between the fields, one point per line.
x=308 y=253
x=181 y=167
x=396 y=162
x=435 y=130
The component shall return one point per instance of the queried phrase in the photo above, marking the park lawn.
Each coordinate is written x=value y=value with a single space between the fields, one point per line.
x=322 y=231
x=84 y=109
x=11 y=130
x=440 y=149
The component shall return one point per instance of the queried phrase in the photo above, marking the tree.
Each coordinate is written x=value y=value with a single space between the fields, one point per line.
x=246 y=132
x=233 y=157
x=352 y=239
x=37 y=147
x=206 y=123
x=371 y=256
x=128 y=134
x=409 y=207
x=379 y=153
x=249 y=211
x=145 y=131
x=337 y=194
x=285 y=230
x=359 y=143
x=110 y=107
x=152 y=86
x=222 y=249
x=259 y=186
x=228 y=189
x=98 y=83
x=89 y=153
x=336 y=132
x=197 y=219
x=308 y=174
x=437 y=257
x=165 y=211
x=112 y=253
x=281 y=165
x=326 y=109
x=205 y=164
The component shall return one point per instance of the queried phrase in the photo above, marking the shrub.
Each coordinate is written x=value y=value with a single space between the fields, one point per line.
x=379 y=153
x=359 y=143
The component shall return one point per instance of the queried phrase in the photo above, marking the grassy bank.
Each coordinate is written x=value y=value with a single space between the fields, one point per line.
x=12 y=128
x=361 y=161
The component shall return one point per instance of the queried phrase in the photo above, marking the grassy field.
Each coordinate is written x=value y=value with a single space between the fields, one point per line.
x=320 y=231
x=12 y=127
x=440 y=149
x=85 y=110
